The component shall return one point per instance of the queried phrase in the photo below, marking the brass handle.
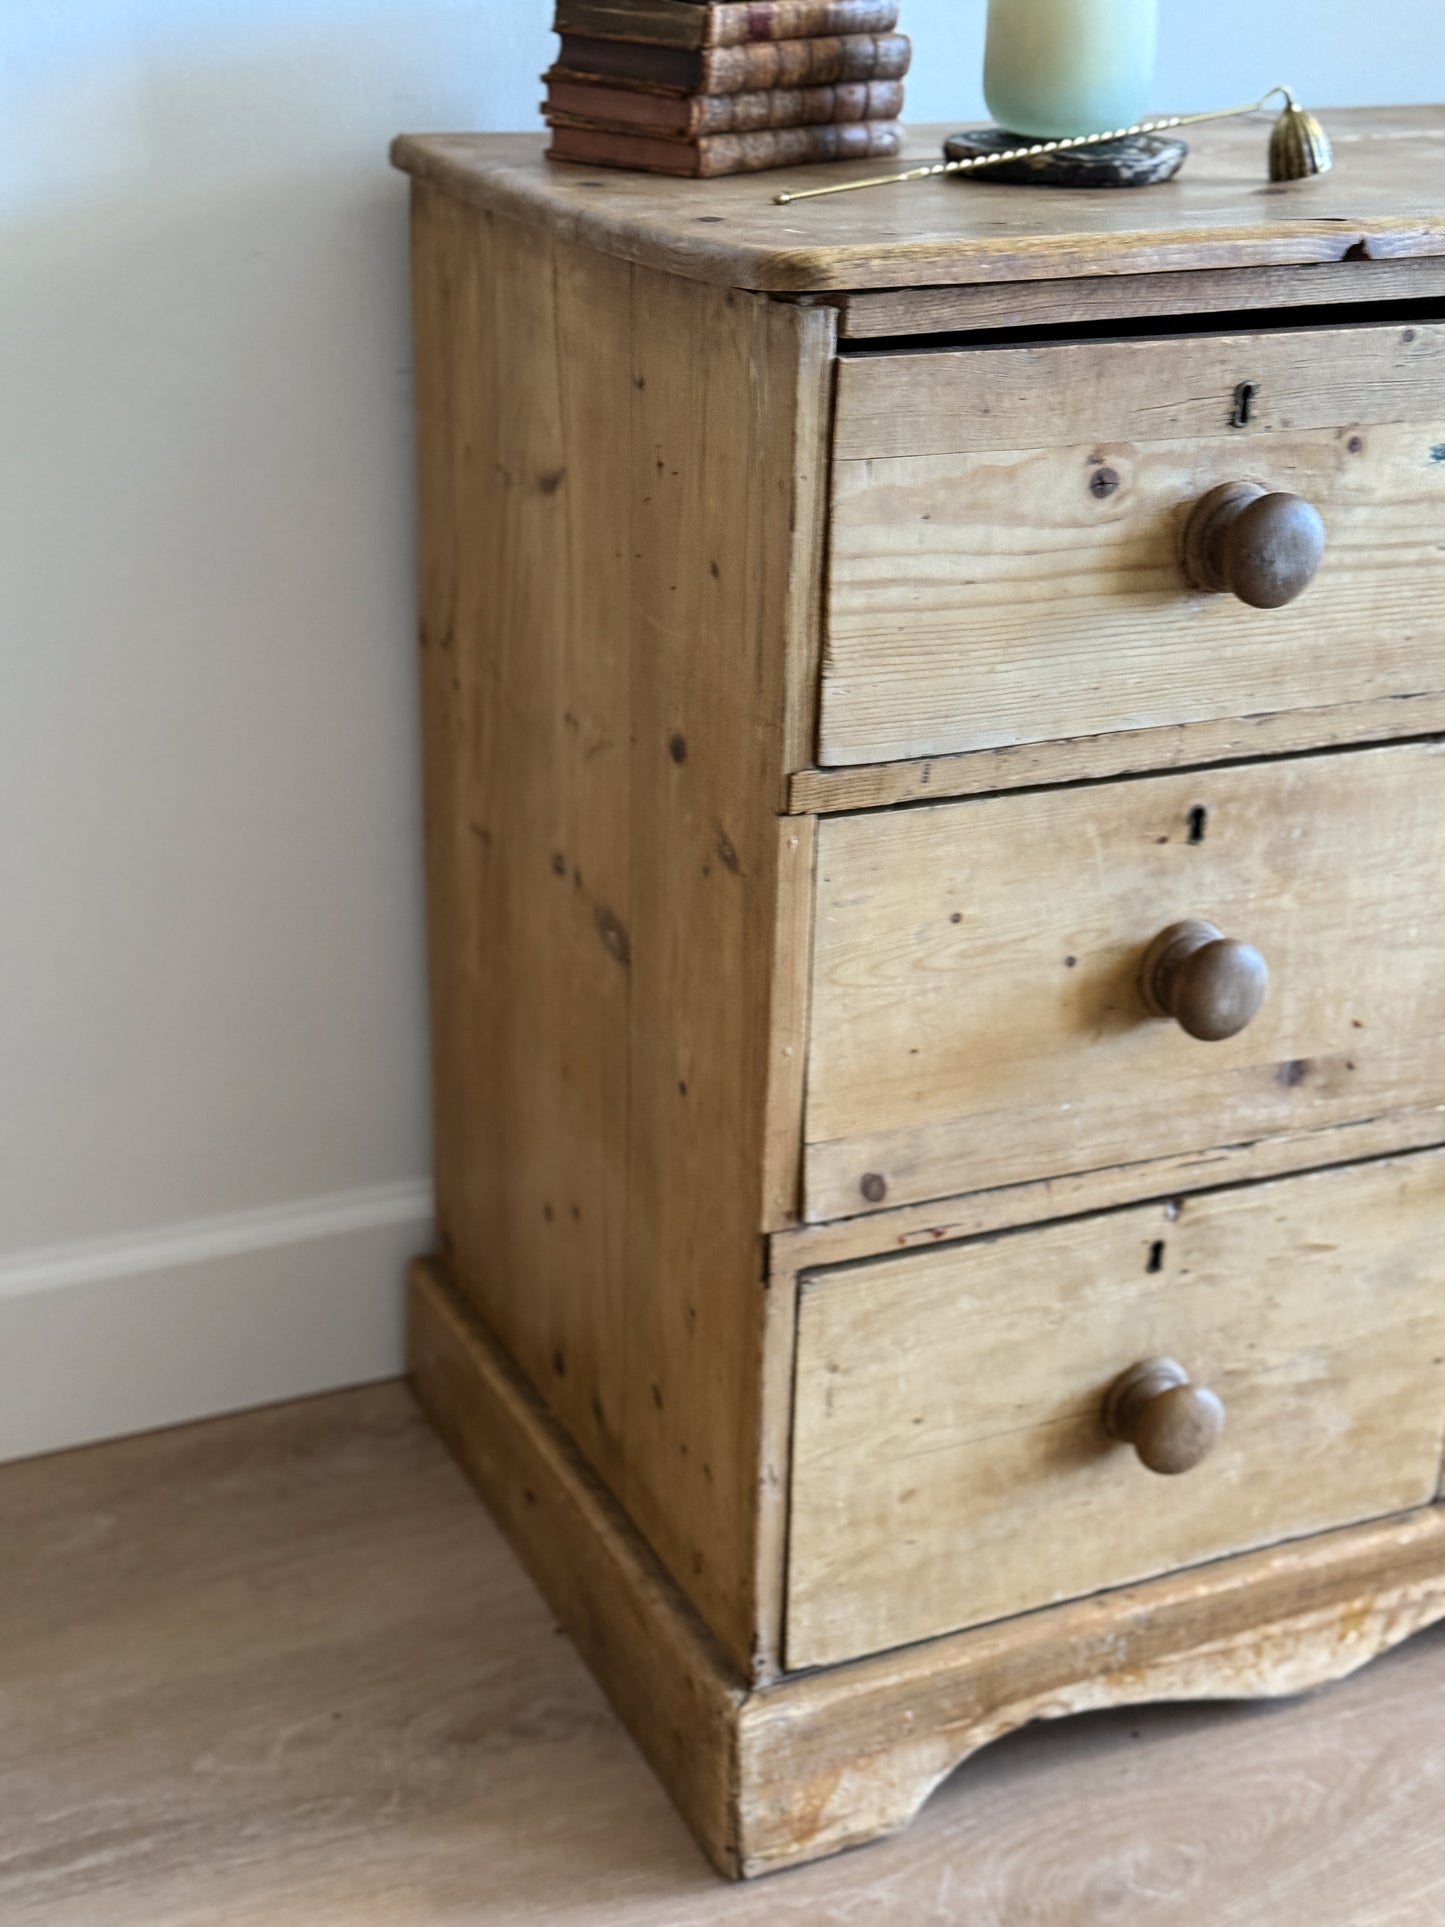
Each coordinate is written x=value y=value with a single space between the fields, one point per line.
x=1209 y=984
x=1244 y=540
x=1172 y=1424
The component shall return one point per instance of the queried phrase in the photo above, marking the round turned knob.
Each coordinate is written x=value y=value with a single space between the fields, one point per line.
x=1171 y=1424
x=1262 y=547
x=1209 y=984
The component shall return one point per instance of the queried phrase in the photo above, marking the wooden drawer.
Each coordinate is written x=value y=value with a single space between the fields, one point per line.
x=976 y=1016
x=950 y=1459
x=1006 y=528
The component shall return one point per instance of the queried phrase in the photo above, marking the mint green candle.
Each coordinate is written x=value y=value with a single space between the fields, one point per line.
x=1058 y=67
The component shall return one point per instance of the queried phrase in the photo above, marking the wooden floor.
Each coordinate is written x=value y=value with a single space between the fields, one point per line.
x=281 y=1669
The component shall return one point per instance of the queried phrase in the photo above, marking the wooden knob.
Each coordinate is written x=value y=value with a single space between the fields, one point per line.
x=1242 y=540
x=1209 y=984
x=1171 y=1424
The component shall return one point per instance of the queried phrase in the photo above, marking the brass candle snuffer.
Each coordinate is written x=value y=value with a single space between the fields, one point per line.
x=1298 y=148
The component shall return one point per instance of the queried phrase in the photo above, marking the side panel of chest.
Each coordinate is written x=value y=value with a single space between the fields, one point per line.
x=614 y=470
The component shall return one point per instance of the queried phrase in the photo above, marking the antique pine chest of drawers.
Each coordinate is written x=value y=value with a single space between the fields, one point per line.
x=934 y=713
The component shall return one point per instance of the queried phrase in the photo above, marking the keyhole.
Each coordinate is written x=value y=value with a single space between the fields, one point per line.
x=1243 y=404
x=1198 y=819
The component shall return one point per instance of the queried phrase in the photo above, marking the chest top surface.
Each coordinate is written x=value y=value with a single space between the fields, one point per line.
x=1384 y=199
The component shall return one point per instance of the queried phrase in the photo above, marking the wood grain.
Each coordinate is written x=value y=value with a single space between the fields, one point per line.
x=775 y=1370
x=528 y=1003
x=844 y=1754
x=1170 y=388
x=788 y=1029
x=976 y=1015
x=841 y=1755
x=281 y=1667
x=627 y=501
x=910 y=1227
x=609 y=552
x=1134 y=297
x=716 y=893
x=951 y=1463
x=653 y=1657
x=1074 y=759
x=808 y=512
x=1005 y=554
x=1383 y=201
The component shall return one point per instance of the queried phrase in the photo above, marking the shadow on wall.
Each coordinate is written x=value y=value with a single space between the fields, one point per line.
x=214 y=1146
x=214 y=972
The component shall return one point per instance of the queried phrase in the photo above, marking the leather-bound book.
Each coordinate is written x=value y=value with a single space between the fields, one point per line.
x=756 y=68
x=722 y=23
x=715 y=154
x=576 y=100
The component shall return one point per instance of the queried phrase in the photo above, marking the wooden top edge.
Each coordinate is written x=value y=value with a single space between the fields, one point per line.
x=1384 y=200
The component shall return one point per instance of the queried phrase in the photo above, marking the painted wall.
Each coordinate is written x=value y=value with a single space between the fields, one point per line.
x=213 y=1140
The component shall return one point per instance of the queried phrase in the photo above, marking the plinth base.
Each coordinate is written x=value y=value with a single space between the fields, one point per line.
x=773 y=1773
x=1142 y=160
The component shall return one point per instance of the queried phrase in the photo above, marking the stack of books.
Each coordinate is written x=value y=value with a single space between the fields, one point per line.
x=707 y=87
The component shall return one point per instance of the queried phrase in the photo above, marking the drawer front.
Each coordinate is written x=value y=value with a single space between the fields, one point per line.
x=1005 y=552
x=951 y=1461
x=976 y=1014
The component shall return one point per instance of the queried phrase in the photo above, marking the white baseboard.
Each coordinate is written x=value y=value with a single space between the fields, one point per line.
x=127 y=1334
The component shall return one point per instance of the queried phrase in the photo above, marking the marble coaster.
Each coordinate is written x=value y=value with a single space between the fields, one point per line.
x=1141 y=160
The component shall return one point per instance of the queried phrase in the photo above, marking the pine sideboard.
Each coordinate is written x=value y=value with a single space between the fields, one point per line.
x=935 y=810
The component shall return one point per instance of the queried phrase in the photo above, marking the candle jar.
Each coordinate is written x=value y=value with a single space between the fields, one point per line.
x=1059 y=67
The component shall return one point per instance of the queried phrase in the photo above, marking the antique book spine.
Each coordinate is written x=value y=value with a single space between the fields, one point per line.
x=722 y=23
x=584 y=102
x=759 y=68
x=715 y=154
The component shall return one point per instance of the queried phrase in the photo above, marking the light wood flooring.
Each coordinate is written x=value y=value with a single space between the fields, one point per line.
x=281 y=1668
